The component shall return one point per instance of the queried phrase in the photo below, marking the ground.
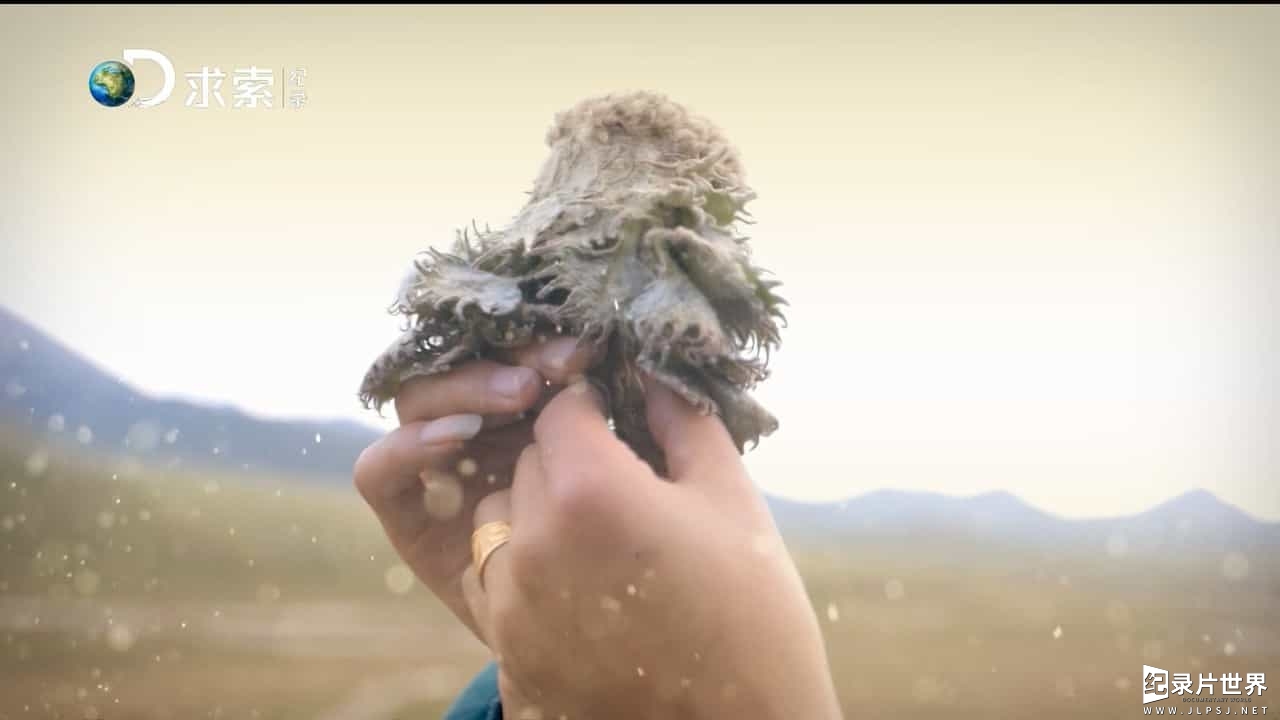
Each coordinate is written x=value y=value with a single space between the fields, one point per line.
x=145 y=594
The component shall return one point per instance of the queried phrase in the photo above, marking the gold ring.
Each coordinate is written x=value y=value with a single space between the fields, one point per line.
x=487 y=538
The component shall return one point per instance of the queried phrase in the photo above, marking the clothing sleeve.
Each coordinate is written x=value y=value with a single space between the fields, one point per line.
x=480 y=699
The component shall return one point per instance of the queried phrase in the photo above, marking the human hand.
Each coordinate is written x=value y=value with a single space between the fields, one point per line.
x=459 y=436
x=624 y=595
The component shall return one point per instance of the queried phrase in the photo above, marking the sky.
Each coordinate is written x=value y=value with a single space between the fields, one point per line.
x=1025 y=248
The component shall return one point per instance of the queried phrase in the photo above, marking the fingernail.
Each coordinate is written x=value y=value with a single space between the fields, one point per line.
x=510 y=381
x=558 y=352
x=450 y=429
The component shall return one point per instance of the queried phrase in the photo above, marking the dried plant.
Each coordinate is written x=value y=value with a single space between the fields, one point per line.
x=629 y=241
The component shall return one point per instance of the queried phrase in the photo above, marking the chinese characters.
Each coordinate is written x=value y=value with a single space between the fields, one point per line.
x=1157 y=682
x=252 y=87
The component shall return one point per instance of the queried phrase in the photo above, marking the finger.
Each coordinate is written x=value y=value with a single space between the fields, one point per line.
x=559 y=360
x=697 y=447
x=527 y=489
x=493 y=508
x=477 y=606
x=390 y=467
x=548 y=391
x=480 y=387
x=429 y=515
x=574 y=440
x=430 y=522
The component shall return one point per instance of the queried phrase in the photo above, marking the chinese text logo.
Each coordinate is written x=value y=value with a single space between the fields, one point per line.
x=1158 y=684
x=111 y=83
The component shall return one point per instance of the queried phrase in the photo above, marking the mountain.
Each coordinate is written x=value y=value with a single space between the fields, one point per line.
x=1196 y=522
x=53 y=390
x=48 y=386
x=904 y=512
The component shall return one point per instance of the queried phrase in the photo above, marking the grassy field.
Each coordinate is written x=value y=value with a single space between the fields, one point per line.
x=135 y=593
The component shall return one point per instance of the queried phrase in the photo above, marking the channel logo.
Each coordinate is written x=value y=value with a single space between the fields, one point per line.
x=112 y=82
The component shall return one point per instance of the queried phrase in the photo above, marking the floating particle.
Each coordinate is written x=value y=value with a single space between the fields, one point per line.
x=120 y=637
x=442 y=496
x=399 y=579
x=142 y=436
x=268 y=593
x=894 y=589
x=37 y=463
x=1235 y=566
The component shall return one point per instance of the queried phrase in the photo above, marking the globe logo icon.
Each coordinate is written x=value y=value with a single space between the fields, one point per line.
x=111 y=83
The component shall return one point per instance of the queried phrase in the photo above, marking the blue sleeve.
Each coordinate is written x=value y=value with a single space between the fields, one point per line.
x=480 y=699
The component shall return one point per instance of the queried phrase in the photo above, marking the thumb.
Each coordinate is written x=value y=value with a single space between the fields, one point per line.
x=697 y=446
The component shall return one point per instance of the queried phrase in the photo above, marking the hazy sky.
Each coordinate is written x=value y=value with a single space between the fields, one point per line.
x=1027 y=248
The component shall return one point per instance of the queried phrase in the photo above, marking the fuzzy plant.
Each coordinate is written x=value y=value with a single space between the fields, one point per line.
x=629 y=241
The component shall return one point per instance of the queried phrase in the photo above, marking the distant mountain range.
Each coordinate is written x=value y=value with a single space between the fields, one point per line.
x=46 y=385
x=1196 y=522
x=52 y=389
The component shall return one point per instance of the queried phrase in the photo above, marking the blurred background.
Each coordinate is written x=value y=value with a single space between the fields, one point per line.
x=1027 y=393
